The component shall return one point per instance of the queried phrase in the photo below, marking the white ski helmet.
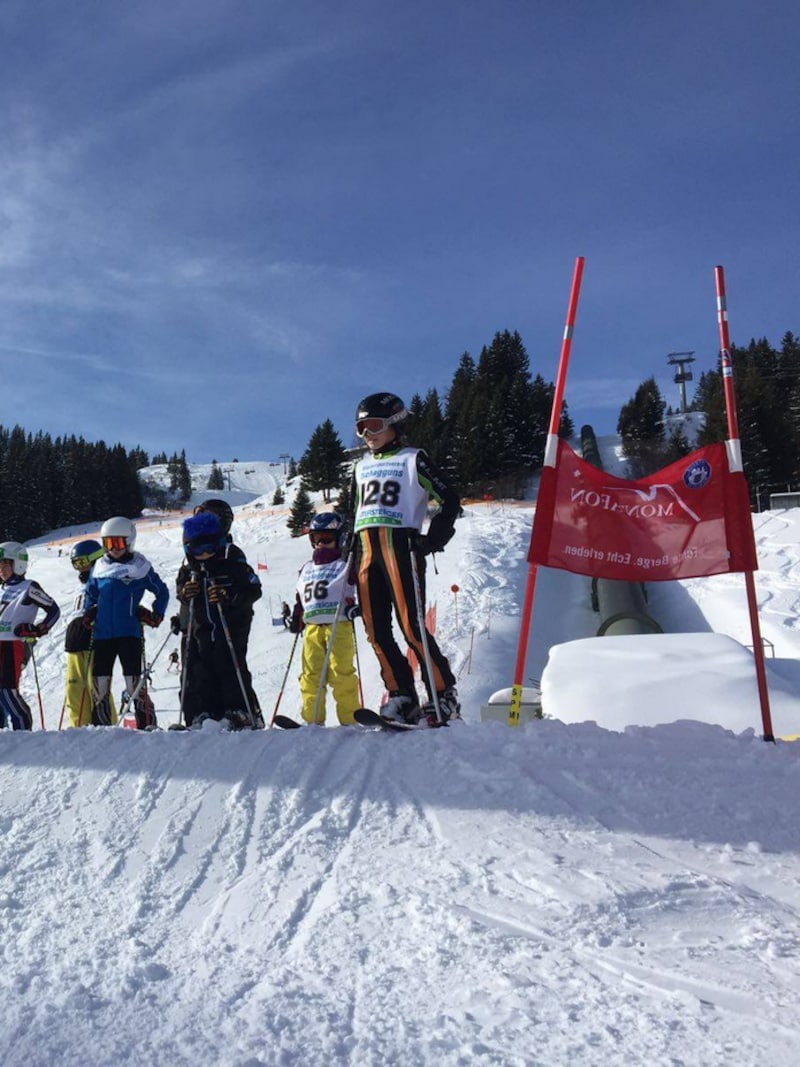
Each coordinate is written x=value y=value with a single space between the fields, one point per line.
x=15 y=553
x=118 y=526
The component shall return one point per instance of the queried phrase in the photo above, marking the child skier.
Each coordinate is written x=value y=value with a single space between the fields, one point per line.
x=78 y=641
x=217 y=588
x=324 y=582
x=224 y=512
x=392 y=487
x=114 y=589
x=21 y=599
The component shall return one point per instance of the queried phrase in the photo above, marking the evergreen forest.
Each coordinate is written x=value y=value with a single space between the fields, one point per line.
x=46 y=484
x=767 y=386
x=487 y=434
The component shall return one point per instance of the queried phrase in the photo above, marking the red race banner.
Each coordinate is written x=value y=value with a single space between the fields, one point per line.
x=688 y=520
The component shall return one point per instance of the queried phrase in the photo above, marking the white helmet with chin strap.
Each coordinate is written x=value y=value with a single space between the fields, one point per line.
x=15 y=553
x=118 y=526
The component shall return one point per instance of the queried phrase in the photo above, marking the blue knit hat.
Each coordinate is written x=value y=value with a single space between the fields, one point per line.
x=202 y=528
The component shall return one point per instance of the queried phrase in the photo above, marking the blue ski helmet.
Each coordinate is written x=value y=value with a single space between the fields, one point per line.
x=326 y=522
x=202 y=533
x=83 y=554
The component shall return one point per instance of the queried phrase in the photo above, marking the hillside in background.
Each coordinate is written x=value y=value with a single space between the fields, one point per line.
x=244 y=482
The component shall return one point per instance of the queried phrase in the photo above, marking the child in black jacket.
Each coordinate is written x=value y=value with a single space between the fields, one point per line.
x=219 y=588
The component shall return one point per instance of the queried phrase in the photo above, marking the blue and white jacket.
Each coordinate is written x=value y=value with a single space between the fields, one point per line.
x=116 y=588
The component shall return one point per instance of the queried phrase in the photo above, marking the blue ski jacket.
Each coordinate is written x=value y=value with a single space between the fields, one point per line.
x=116 y=588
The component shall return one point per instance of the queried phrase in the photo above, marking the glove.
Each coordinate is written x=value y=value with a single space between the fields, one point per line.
x=217 y=594
x=148 y=618
x=89 y=617
x=352 y=611
x=425 y=546
x=29 y=631
x=190 y=589
x=296 y=624
x=175 y=625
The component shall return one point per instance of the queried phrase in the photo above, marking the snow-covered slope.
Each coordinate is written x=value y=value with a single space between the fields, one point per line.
x=558 y=894
x=244 y=482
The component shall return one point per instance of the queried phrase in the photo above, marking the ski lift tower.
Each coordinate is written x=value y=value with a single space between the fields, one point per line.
x=682 y=376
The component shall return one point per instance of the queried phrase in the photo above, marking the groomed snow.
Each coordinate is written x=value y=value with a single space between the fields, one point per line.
x=562 y=893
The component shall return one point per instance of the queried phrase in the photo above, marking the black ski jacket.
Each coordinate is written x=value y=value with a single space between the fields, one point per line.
x=230 y=569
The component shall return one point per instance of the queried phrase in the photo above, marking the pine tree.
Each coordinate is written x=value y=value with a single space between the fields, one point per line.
x=641 y=427
x=322 y=462
x=278 y=497
x=510 y=438
x=677 y=446
x=764 y=378
x=138 y=458
x=426 y=427
x=497 y=419
x=184 y=478
x=344 y=503
x=301 y=512
x=464 y=421
x=215 y=478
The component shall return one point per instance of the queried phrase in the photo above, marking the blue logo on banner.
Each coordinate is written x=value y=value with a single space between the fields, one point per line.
x=697 y=474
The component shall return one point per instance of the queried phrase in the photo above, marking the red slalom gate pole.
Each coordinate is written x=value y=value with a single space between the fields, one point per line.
x=734 y=447
x=551 y=452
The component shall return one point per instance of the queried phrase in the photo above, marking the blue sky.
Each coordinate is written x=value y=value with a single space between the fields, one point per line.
x=223 y=222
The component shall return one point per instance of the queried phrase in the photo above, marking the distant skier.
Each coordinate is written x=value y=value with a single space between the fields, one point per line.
x=286 y=615
x=21 y=600
x=392 y=487
x=219 y=587
x=324 y=582
x=118 y=581
x=173 y=663
x=78 y=641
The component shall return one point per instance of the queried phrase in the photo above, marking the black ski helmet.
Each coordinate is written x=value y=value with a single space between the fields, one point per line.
x=386 y=406
x=220 y=508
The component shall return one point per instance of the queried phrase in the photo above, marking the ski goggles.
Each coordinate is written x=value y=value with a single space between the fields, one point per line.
x=200 y=547
x=83 y=563
x=115 y=543
x=323 y=539
x=371 y=426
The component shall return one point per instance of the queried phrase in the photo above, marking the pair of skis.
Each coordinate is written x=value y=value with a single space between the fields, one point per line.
x=364 y=717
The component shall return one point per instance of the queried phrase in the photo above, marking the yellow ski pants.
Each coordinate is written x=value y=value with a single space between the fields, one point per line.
x=78 y=694
x=342 y=677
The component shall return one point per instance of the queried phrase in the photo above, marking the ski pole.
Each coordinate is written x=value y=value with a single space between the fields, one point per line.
x=38 y=689
x=186 y=647
x=358 y=665
x=283 y=683
x=146 y=672
x=423 y=634
x=234 y=658
x=85 y=688
x=61 y=716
